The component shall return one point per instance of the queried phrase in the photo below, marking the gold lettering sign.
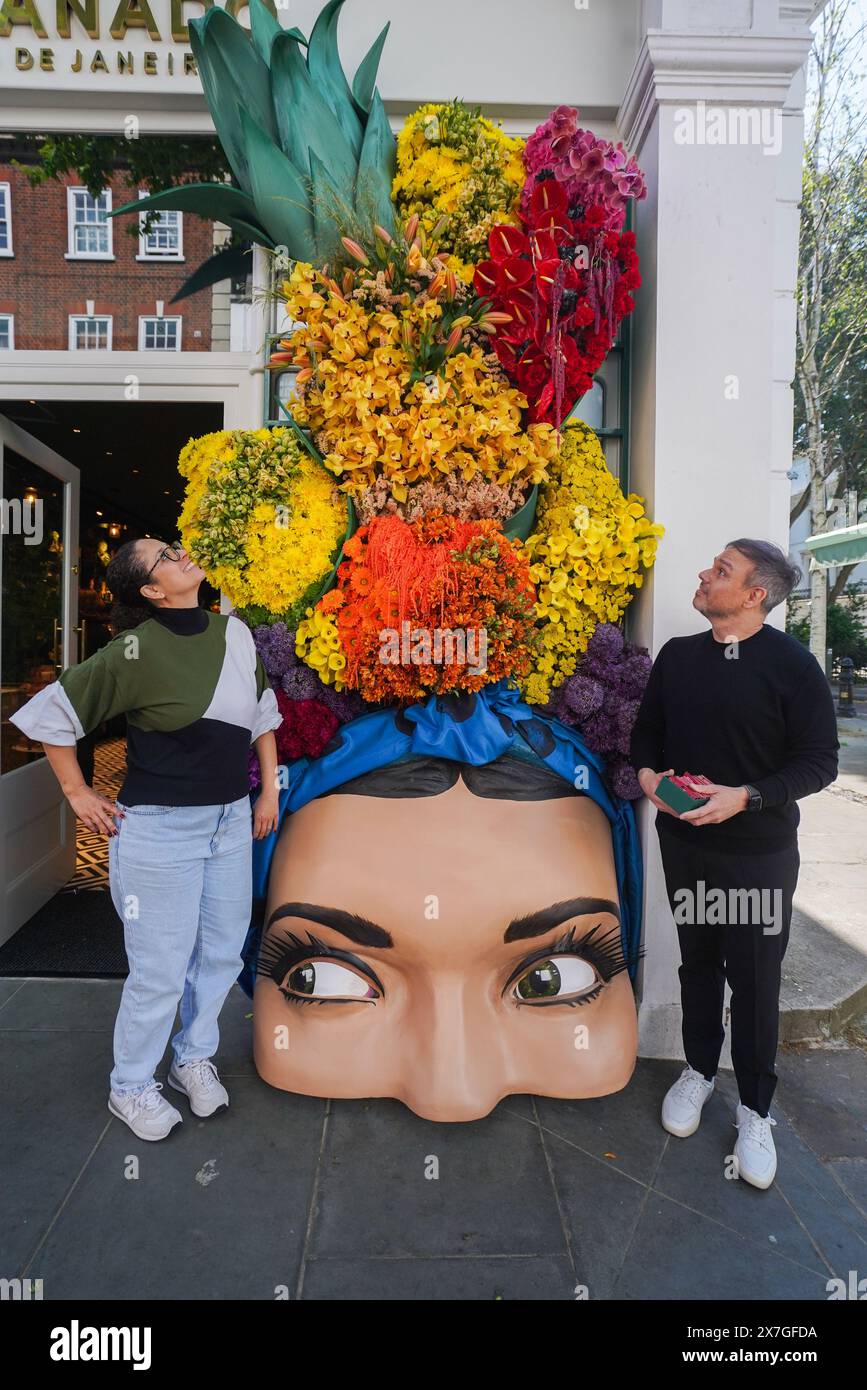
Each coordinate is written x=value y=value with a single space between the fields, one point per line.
x=133 y=14
x=180 y=32
x=21 y=12
x=85 y=11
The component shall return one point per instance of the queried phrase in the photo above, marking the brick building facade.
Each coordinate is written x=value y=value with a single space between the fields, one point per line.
x=72 y=278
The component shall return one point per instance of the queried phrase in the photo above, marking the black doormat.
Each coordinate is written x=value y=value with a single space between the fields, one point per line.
x=77 y=934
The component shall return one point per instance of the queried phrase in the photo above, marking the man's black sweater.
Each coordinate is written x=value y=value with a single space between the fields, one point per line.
x=759 y=711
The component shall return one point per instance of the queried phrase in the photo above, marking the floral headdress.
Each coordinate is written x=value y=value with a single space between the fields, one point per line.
x=430 y=520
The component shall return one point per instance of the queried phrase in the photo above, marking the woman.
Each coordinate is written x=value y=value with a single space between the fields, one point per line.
x=196 y=696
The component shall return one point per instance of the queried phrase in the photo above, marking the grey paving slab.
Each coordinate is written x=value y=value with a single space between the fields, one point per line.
x=851 y=1174
x=217 y=1211
x=600 y=1207
x=53 y=1094
x=693 y=1171
x=622 y=1129
x=58 y=1005
x=493 y=1194
x=677 y=1254
x=7 y=989
x=824 y=1094
x=468 y=1280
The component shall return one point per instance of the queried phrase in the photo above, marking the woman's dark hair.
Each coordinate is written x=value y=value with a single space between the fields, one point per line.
x=125 y=575
x=507 y=778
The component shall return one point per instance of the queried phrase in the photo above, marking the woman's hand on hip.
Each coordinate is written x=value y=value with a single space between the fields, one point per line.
x=96 y=811
x=265 y=813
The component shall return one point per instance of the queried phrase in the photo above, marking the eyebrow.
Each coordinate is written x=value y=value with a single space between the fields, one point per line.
x=726 y=564
x=538 y=923
x=358 y=929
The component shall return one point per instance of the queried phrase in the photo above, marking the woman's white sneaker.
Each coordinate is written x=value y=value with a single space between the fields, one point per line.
x=148 y=1115
x=681 y=1109
x=201 y=1085
x=755 y=1153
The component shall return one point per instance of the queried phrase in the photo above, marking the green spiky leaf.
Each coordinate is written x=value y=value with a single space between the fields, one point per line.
x=326 y=70
x=282 y=197
x=264 y=28
x=364 y=82
x=234 y=78
x=305 y=121
x=218 y=202
x=376 y=169
x=223 y=265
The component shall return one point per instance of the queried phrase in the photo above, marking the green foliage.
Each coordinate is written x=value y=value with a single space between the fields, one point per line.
x=152 y=161
x=846 y=634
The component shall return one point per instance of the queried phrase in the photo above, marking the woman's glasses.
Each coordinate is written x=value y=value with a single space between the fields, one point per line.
x=174 y=551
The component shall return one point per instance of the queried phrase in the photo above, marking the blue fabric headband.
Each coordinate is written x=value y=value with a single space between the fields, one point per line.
x=465 y=728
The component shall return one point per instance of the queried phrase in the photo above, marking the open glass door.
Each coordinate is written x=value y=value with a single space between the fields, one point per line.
x=39 y=497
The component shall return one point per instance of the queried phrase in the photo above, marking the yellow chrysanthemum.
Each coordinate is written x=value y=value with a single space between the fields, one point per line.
x=588 y=548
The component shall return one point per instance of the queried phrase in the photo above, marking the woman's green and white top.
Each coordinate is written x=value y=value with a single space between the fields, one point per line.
x=195 y=694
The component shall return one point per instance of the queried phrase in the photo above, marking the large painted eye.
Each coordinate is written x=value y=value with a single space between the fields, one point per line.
x=327 y=979
x=560 y=977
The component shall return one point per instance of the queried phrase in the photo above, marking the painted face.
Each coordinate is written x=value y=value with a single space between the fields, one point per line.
x=447 y=951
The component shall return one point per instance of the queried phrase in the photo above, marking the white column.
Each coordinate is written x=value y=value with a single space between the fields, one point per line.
x=713 y=336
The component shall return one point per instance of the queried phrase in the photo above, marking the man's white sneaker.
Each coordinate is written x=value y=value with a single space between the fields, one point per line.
x=201 y=1084
x=148 y=1115
x=755 y=1153
x=681 y=1109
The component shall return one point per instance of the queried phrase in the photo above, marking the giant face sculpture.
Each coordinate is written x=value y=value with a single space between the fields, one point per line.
x=446 y=935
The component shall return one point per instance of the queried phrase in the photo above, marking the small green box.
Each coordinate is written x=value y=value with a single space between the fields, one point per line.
x=679 y=800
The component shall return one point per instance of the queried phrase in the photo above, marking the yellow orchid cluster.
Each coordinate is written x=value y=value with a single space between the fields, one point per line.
x=370 y=419
x=317 y=642
x=588 y=550
x=261 y=517
x=454 y=163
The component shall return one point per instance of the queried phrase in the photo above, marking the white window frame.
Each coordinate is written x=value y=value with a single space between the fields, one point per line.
x=71 y=253
x=143 y=253
x=11 y=320
x=158 y=318
x=6 y=194
x=75 y=318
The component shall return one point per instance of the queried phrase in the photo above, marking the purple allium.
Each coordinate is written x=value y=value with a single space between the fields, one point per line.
x=581 y=696
x=623 y=780
x=275 y=644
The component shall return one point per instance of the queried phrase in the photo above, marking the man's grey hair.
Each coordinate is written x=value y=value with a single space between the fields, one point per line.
x=772 y=570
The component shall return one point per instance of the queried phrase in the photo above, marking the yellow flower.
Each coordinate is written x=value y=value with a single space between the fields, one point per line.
x=587 y=549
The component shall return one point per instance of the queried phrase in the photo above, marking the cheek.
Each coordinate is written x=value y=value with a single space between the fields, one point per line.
x=576 y=1053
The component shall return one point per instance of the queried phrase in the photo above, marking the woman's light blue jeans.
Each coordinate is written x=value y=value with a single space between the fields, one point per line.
x=181 y=881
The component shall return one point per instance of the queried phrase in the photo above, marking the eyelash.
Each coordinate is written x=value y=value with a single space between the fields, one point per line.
x=606 y=955
x=283 y=952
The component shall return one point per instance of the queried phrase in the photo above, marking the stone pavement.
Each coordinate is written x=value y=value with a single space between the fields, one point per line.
x=330 y=1200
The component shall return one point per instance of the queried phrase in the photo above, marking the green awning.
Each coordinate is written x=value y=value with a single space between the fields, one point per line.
x=845 y=546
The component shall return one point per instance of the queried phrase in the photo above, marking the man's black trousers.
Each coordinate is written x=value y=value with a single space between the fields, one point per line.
x=746 y=947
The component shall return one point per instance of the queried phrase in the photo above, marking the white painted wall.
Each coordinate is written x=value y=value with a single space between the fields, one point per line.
x=713 y=343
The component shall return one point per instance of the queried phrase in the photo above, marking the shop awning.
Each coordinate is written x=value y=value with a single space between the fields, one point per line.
x=846 y=546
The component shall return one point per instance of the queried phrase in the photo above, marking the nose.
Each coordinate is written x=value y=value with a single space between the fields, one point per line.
x=457 y=1069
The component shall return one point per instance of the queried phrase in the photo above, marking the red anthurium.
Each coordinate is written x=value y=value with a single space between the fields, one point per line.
x=544 y=246
x=506 y=354
x=557 y=225
x=504 y=241
x=547 y=273
x=513 y=272
x=548 y=196
x=485 y=279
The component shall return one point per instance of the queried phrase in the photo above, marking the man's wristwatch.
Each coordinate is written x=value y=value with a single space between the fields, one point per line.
x=755 y=798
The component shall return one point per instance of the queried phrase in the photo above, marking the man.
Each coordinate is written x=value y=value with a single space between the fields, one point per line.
x=749 y=708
